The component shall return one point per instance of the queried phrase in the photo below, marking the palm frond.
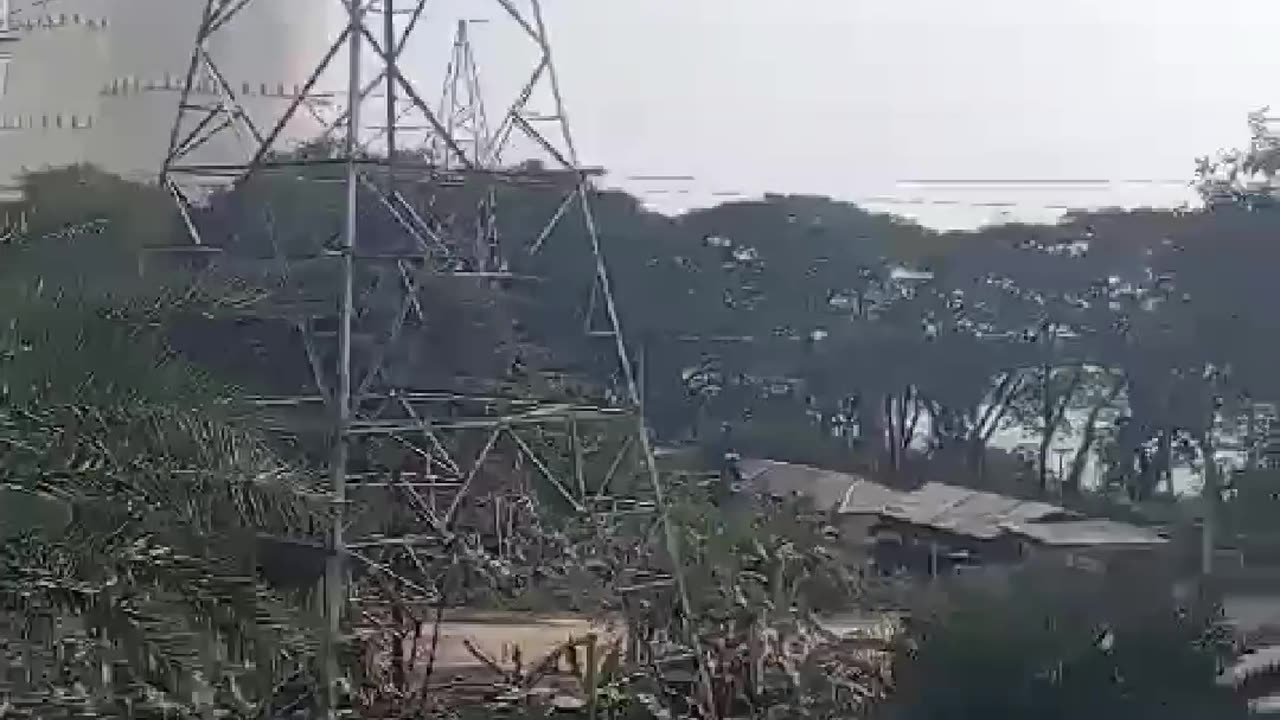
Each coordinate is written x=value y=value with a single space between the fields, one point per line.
x=150 y=591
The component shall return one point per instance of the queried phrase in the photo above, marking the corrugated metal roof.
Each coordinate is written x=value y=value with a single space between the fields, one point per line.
x=1081 y=533
x=948 y=508
x=868 y=498
x=963 y=511
x=825 y=488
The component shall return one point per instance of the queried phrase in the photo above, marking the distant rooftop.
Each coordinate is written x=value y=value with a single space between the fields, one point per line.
x=964 y=511
x=1089 y=532
x=948 y=508
x=827 y=489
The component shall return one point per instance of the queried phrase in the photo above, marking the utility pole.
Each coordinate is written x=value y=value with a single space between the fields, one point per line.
x=336 y=593
x=1211 y=497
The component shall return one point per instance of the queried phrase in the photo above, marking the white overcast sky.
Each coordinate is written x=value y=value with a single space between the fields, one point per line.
x=849 y=97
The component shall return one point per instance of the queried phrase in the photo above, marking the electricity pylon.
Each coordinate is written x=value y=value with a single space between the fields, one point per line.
x=383 y=143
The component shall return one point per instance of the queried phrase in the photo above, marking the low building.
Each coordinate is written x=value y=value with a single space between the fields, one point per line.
x=825 y=489
x=939 y=529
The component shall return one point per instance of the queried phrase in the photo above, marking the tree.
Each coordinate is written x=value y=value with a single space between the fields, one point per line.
x=1061 y=644
x=760 y=569
x=146 y=592
x=1243 y=177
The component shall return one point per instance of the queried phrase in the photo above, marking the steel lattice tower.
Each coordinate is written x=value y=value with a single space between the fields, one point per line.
x=384 y=140
x=462 y=111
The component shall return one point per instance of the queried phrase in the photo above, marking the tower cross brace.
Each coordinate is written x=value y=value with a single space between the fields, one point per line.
x=419 y=150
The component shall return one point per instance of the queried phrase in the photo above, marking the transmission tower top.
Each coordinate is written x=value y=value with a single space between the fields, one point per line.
x=384 y=106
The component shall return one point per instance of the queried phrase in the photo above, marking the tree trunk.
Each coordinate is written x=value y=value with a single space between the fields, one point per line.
x=890 y=434
x=909 y=432
x=1147 y=479
x=1053 y=411
x=987 y=422
x=1071 y=484
x=1047 y=429
x=975 y=451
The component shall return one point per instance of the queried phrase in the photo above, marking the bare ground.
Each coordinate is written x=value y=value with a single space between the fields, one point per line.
x=497 y=633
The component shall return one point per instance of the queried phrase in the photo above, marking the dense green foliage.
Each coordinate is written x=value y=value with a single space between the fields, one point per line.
x=139 y=588
x=795 y=327
x=1062 y=646
x=872 y=343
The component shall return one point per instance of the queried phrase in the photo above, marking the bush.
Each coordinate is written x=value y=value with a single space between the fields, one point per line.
x=1063 y=645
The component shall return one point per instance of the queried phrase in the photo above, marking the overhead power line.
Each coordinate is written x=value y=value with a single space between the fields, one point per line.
x=652 y=185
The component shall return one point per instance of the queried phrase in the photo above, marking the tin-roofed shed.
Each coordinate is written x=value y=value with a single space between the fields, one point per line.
x=948 y=524
x=826 y=489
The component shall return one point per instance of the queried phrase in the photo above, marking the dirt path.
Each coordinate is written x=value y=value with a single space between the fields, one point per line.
x=497 y=633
